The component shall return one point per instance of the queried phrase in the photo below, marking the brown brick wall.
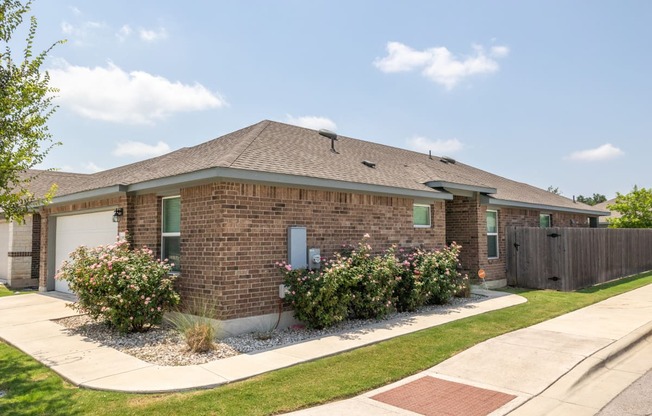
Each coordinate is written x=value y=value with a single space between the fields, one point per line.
x=143 y=224
x=232 y=233
x=36 y=248
x=464 y=217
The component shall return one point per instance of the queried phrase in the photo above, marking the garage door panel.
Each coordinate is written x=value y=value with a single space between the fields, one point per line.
x=91 y=230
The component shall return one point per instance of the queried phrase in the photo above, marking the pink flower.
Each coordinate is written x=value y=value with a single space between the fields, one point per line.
x=288 y=267
x=366 y=235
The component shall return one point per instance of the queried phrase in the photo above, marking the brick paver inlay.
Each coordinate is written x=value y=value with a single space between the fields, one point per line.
x=432 y=396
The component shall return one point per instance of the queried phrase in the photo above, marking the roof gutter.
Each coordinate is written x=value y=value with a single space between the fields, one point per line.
x=517 y=204
x=211 y=174
x=106 y=192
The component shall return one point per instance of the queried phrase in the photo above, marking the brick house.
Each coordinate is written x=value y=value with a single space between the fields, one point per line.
x=20 y=243
x=221 y=210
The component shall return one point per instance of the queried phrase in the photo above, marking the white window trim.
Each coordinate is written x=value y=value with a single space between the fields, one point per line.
x=492 y=234
x=164 y=234
x=429 y=216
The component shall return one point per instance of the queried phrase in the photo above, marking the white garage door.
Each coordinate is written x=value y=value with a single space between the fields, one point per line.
x=4 y=250
x=90 y=230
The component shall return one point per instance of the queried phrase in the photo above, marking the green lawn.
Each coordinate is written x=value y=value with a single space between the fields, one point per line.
x=5 y=292
x=32 y=389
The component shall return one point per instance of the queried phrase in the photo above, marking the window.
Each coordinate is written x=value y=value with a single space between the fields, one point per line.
x=421 y=216
x=545 y=220
x=170 y=233
x=492 y=234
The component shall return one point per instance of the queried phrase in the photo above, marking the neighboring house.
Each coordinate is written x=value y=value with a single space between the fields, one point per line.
x=222 y=210
x=20 y=242
x=603 y=221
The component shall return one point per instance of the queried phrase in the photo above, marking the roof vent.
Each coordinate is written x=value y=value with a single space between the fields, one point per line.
x=369 y=164
x=329 y=134
x=448 y=159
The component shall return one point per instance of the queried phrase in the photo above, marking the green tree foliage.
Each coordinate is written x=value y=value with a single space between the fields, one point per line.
x=554 y=190
x=592 y=200
x=635 y=209
x=25 y=106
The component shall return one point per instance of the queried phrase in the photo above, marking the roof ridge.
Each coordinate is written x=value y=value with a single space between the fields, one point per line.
x=265 y=124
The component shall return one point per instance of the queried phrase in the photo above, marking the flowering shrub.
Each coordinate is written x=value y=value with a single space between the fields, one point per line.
x=438 y=272
x=128 y=289
x=410 y=292
x=359 y=285
x=368 y=279
x=319 y=299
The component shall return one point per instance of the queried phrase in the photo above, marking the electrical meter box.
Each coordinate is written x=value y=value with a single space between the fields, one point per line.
x=314 y=258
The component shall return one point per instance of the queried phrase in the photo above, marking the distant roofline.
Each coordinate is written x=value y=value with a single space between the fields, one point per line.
x=462 y=187
x=518 y=204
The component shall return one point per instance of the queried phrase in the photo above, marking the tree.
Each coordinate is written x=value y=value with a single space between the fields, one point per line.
x=635 y=209
x=25 y=107
x=592 y=200
x=555 y=191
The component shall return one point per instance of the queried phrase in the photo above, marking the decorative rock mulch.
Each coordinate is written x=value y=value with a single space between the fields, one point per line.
x=162 y=345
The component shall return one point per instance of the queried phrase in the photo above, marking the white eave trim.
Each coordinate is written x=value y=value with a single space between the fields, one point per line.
x=106 y=192
x=211 y=174
x=517 y=204
x=462 y=187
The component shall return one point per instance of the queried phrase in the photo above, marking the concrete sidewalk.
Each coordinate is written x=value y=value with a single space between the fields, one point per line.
x=25 y=322
x=571 y=365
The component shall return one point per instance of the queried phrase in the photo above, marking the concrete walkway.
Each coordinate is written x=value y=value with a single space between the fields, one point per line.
x=571 y=365
x=25 y=322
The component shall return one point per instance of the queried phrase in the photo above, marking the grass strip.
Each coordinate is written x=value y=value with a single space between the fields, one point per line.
x=32 y=389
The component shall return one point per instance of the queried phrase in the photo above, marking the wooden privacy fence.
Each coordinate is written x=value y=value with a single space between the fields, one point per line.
x=572 y=258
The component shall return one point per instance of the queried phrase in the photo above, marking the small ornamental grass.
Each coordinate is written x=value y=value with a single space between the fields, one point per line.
x=196 y=324
x=356 y=284
x=128 y=289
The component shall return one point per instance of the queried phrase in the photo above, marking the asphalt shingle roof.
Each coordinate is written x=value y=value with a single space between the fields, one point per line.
x=274 y=147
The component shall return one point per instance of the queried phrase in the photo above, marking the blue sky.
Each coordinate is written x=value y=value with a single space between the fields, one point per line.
x=543 y=92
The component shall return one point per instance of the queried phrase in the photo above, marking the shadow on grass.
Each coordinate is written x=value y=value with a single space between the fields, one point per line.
x=29 y=388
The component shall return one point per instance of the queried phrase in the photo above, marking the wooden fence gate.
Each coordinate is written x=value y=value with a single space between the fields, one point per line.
x=572 y=258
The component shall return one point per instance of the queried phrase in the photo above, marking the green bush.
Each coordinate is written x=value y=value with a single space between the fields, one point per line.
x=128 y=289
x=319 y=300
x=368 y=279
x=438 y=271
x=359 y=285
x=410 y=292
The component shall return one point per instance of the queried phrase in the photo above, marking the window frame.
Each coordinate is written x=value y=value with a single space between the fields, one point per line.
x=492 y=234
x=174 y=234
x=429 y=207
x=545 y=214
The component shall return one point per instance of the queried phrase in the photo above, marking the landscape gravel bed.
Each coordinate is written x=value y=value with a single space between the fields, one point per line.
x=163 y=345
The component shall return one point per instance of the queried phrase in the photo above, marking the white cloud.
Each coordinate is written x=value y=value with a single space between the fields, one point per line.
x=75 y=10
x=499 y=51
x=82 y=31
x=123 y=33
x=140 y=149
x=604 y=152
x=92 y=167
x=153 y=35
x=137 y=97
x=312 y=122
x=438 y=147
x=439 y=64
